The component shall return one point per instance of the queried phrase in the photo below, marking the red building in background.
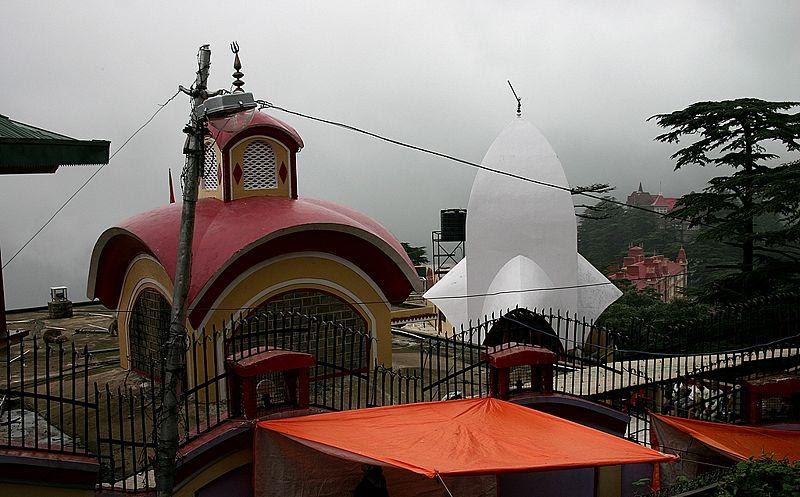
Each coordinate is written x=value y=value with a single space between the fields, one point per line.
x=658 y=203
x=665 y=276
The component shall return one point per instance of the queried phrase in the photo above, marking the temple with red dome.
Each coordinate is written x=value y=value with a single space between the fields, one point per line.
x=257 y=245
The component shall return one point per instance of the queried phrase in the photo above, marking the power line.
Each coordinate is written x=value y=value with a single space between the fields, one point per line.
x=466 y=296
x=552 y=288
x=741 y=350
x=264 y=103
x=566 y=287
x=89 y=179
x=474 y=295
x=572 y=191
x=396 y=142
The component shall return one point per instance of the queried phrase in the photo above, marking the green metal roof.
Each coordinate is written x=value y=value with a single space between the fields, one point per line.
x=26 y=149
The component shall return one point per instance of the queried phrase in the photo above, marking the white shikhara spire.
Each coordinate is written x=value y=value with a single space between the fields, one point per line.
x=521 y=236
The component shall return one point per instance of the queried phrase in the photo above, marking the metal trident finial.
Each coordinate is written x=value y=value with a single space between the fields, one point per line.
x=237 y=66
x=519 y=100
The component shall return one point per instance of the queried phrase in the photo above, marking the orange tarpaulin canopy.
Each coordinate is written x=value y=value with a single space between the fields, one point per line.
x=462 y=437
x=738 y=442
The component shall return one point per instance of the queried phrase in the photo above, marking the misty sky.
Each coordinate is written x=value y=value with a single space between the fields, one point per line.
x=431 y=73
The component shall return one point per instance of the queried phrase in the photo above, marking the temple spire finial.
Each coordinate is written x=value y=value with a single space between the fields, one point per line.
x=519 y=100
x=640 y=187
x=237 y=66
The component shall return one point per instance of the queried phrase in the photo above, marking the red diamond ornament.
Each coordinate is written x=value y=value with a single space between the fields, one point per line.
x=237 y=173
x=282 y=172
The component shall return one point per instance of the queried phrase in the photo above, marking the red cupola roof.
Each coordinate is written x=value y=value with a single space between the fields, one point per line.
x=249 y=122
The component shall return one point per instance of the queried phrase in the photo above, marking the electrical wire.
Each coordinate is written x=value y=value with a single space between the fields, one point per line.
x=741 y=350
x=266 y=104
x=473 y=295
x=572 y=191
x=749 y=348
x=89 y=179
x=467 y=296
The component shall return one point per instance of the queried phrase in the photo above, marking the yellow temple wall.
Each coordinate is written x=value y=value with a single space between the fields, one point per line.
x=313 y=271
x=306 y=271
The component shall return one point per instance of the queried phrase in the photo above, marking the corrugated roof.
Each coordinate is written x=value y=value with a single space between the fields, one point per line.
x=15 y=129
x=26 y=149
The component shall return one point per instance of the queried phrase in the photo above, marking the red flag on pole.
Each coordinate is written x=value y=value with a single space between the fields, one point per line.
x=171 y=190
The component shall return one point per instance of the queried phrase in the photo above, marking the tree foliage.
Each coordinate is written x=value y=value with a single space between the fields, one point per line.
x=416 y=254
x=736 y=134
x=636 y=310
x=604 y=238
x=762 y=478
x=605 y=235
x=591 y=210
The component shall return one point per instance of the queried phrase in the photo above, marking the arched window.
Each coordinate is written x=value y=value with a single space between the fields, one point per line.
x=309 y=321
x=320 y=305
x=210 y=168
x=259 y=168
x=148 y=329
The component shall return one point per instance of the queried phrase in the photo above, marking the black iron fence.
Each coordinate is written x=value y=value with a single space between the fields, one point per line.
x=44 y=398
x=340 y=376
x=697 y=370
x=52 y=399
x=756 y=322
x=125 y=420
x=391 y=387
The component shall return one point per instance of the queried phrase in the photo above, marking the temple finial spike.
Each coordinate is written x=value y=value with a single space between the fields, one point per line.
x=519 y=100
x=237 y=66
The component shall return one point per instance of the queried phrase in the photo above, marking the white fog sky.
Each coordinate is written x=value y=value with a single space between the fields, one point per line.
x=431 y=73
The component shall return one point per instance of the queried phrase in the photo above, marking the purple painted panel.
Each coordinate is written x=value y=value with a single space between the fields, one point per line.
x=238 y=482
x=571 y=482
x=633 y=473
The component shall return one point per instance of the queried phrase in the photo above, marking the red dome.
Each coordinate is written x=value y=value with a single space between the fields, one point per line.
x=231 y=237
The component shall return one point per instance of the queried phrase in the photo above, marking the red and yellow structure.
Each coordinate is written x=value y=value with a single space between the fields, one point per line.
x=257 y=245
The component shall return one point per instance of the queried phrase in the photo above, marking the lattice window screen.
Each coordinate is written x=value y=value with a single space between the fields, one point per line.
x=344 y=348
x=259 y=166
x=210 y=169
x=148 y=328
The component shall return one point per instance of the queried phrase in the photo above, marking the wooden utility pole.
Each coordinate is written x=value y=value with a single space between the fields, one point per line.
x=174 y=351
x=3 y=325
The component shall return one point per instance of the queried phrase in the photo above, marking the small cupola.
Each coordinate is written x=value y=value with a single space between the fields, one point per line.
x=248 y=152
